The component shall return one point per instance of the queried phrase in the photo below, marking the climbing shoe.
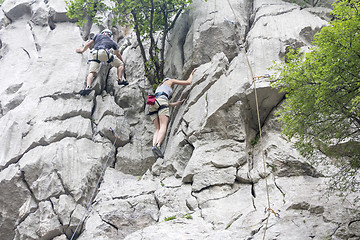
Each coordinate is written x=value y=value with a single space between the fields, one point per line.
x=86 y=91
x=123 y=82
x=154 y=152
x=157 y=152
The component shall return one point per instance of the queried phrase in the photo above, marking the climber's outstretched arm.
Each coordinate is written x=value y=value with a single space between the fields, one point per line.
x=172 y=104
x=172 y=82
x=86 y=46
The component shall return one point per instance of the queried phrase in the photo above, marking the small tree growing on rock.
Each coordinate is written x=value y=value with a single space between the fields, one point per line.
x=151 y=19
x=84 y=10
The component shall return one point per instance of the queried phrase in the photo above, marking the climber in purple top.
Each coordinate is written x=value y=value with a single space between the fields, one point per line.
x=101 y=53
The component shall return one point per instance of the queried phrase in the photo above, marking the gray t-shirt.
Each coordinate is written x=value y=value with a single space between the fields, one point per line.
x=166 y=89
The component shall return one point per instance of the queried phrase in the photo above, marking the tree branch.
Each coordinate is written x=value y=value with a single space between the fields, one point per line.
x=153 y=43
x=176 y=17
x=142 y=50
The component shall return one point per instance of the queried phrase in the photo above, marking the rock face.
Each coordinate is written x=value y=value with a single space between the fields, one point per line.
x=211 y=184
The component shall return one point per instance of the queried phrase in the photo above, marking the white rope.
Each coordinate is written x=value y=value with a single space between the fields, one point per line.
x=258 y=117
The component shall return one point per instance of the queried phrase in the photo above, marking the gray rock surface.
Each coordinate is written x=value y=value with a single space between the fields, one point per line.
x=212 y=183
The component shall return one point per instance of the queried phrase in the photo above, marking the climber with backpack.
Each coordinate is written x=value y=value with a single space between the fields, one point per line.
x=102 y=53
x=159 y=109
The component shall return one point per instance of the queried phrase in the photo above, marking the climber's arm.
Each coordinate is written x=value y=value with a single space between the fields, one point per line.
x=172 y=82
x=118 y=55
x=176 y=103
x=86 y=46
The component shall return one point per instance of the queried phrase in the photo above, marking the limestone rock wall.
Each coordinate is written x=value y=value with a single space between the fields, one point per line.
x=211 y=183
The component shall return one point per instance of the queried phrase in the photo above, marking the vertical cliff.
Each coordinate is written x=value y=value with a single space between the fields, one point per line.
x=211 y=184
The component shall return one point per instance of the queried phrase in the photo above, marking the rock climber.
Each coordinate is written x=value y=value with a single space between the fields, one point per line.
x=159 y=112
x=102 y=53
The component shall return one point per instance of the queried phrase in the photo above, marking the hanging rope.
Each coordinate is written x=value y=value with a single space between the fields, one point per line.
x=242 y=46
x=105 y=165
x=214 y=12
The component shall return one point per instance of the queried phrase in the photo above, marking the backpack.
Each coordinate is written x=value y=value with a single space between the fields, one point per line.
x=151 y=99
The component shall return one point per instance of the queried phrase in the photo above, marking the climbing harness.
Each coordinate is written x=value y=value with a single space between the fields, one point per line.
x=151 y=99
x=158 y=94
x=105 y=165
x=160 y=107
x=109 y=54
x=242 y=46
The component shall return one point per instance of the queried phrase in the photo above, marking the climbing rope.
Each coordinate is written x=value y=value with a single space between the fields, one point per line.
x=105 y=165
x=214 y=12
x=254 y=78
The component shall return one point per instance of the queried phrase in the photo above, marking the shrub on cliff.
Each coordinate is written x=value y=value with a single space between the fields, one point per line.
x=322 y=107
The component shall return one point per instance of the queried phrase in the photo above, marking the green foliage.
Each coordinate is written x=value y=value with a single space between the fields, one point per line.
x=83 y=10
x=151 y=20
x=188 y=216
x=154 y=86
x=170 y=218
x=272 y=166
x=345 y=179
x=149 y=17
x=255 y=140
x=322 y=107
x=229 y=225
